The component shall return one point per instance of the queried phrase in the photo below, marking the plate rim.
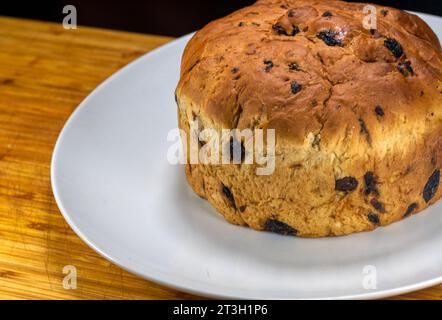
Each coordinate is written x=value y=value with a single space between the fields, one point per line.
x=154 y=276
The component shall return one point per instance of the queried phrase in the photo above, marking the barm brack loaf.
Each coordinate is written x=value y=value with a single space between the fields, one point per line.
x=357 y=114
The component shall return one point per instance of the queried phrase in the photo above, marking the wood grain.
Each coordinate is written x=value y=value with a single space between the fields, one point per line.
x=45 y=72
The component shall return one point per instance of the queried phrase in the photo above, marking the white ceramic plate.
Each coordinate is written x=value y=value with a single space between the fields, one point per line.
x=116 y=189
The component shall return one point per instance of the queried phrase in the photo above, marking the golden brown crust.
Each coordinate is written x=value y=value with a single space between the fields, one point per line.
x=365 y=106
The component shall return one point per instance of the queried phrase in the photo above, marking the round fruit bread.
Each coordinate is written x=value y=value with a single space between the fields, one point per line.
x=356 y=111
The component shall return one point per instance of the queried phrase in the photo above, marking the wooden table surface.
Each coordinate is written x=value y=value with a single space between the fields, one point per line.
x=45 y=72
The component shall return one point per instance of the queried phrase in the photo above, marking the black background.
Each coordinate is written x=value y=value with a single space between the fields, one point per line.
x=165 y=17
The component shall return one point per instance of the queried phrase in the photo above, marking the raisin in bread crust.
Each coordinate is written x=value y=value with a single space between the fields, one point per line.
x=357 y=115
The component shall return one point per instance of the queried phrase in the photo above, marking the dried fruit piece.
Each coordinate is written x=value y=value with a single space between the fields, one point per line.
x=379 y=206
x=373 y=218
x=237 y=150
x=384 y=12
x=316 y=144
x=405 y=68
x=296 y=87
x=279 y=227
x=329 y=37
x=370 y=184
x=242 y=208
x=201 y=143
x=295 y=30
x=327 y=14
x=394 y=46
x=432 y=186
x=235 y=70
x=379 y=111
x=279 y=29
x=229 y=195
x=346 y=184
x=293 y=66
x=364 y=130
x=410 y=209
x=268 y=65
